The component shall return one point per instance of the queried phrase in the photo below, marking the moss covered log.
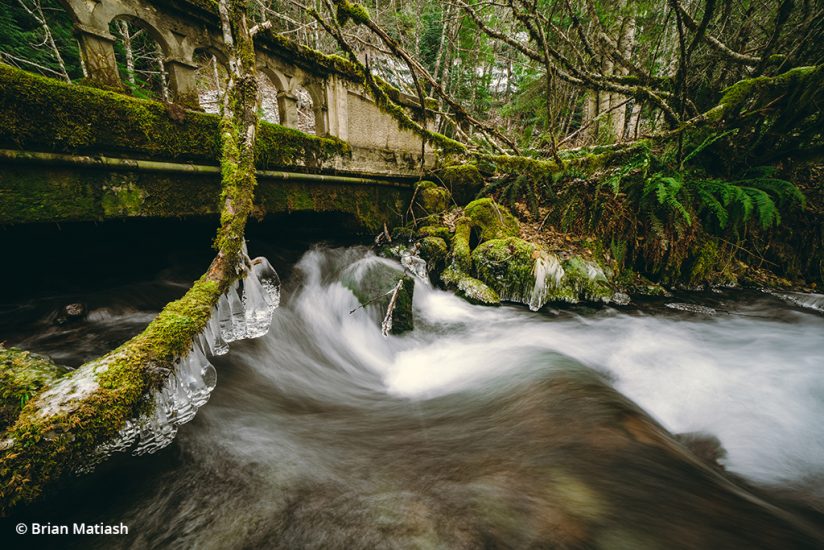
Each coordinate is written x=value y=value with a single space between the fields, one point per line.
x=22 y=375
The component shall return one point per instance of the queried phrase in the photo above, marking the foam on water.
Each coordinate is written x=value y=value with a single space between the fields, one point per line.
x=750 y=378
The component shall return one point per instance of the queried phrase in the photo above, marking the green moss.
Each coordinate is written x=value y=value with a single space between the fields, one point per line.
x=122 y=200
x=434 y=251
x=463 y=180
x=736 y=96
x=22 y=375
x=32 y=193
x=711 y=265
x=586 y=280
x=506 y=265
x=461 y=250
x=468 y=287
x=440 y=231
x=430 y=199
x=43 y=114
x=492 y=220
x=353 y=11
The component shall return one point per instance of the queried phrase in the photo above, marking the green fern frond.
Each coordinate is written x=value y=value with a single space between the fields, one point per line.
x=768 y=214
x=707 y=142
x=782 y=191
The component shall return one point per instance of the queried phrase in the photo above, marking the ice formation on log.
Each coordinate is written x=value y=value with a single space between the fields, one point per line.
x=245 y=311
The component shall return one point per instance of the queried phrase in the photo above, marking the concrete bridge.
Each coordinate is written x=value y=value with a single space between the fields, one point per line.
x=75 y=153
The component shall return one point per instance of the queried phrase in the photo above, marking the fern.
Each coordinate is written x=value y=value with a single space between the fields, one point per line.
x=640 y=164
x=735 y=203
x=707 y=142
x=768 y=215
x=707 y=190
x=783 y=191
x=666 y=189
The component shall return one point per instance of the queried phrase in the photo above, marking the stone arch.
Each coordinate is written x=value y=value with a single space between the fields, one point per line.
x=166 y=45
x=141 y=52
x=318 y=122
x=287 y=102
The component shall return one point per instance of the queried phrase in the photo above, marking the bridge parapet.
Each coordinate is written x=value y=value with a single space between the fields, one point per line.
x=340 y=104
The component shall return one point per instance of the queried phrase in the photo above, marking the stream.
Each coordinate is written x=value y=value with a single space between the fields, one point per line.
x=483 y=427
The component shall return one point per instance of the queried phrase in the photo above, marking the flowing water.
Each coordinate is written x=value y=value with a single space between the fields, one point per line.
x=484 y=427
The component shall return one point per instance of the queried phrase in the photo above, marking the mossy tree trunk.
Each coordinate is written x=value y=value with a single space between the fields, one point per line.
x=59 y=429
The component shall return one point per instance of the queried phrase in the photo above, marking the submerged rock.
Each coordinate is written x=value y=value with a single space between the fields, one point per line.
x=402 y=319
x=71 y=313
x=373 y=281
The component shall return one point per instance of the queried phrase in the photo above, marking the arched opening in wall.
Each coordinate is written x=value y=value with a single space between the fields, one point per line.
x=140 y=58
x=38 y=36
x=307 y=121
x=211 y=78
x=268 y=108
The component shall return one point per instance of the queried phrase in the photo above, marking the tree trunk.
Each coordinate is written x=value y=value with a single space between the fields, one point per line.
x=126 y=36
x=36 y=11
x=626 y=42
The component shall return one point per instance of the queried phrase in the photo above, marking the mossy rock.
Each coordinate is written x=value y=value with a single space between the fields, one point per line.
x=430 y=198
x=22 y=375
x=440 y=231
x=507 y=266
x=520 y=271
x=491 y=220
x=435 y=251
x=463 y=180
x=586 y=280
x=469 y=288
x=373 y=283
x=461 y=249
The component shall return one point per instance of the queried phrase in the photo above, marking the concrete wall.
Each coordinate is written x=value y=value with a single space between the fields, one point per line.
x=37 y=193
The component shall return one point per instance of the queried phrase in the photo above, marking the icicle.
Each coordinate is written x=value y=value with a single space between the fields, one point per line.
x=245 y=311
x=237 y=330
x=548 y=276
x=269 y=279
x=211 y=338
x=261 y=295
x=414 y=263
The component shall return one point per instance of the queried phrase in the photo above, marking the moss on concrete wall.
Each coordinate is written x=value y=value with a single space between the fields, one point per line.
x=43 y=114
x=33 y=193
